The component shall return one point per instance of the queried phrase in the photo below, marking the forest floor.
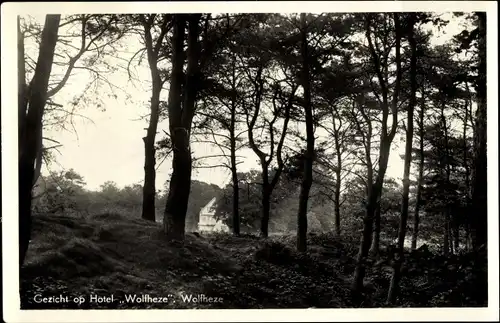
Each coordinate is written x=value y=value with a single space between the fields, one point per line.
x=114 y=255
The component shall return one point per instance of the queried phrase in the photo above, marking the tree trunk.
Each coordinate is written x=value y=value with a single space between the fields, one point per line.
x=448 y=242
x=32 y=121
x=375 y=246
x=338 y=171
x=337 y=200
x=418 y=202
x=269 y=186
x=386 y=138
x=452 y=237
x=236 y=194
x=446 y=234
x=456 y=236
x=180 y=117
x=149 y=189
x=22 y=98
x=39 y=156
x=465 y=221
x=479 y=169
x=465 y=152
x=394 y=285
x=468 y=243
x=234 y=172
x=180 y=186
x=266 y=207
x=308 y=162
x=366 y=238
x=302 y=212
x=416 y=218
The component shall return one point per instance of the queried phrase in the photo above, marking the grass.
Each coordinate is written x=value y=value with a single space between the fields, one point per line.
x=120 y=255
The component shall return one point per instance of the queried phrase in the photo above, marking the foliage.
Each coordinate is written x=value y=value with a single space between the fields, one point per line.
x=60 y=193
x=64 y=193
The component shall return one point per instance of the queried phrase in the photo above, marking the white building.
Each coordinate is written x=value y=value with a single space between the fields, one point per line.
x=208 y=222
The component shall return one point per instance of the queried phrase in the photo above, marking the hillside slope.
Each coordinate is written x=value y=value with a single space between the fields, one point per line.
x=109 y=254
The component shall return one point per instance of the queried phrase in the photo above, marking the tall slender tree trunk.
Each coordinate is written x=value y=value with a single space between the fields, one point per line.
x=152 y=50
x=479 y=169
x=39 y=156
x=307 y=179
x=450 y=234
x=366 y=238
x=234 y=171
x=31 y=127
x=396 y=275
x=268 y=185
x=236 y=188
x=265 y=191
x=456 y=235
x=416 y=217
x=375 y=246
x=446 y=234
x=448 y=241
x=338 y=177
x=180 y=186
x=266 y=204
x=386 y=139
x=22 y=98
x=468 y=242
x=236 y=199
x=149 y=190
x=180 y=121
x=337 y=200
x=466 y=221
x=418 y=202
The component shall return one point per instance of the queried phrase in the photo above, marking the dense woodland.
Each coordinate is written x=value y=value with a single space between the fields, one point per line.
x=321 y=100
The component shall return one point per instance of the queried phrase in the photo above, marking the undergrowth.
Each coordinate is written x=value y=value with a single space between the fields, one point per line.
x=114 y=254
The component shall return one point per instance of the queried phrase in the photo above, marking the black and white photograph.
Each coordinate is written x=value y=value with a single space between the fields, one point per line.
x=185 y=156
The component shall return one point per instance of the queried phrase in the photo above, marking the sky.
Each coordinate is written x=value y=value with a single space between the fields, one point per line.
x=110 y=146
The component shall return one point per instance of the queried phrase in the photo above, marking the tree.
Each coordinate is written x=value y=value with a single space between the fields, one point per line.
x=336 y=86
x=467 y=145
x=184 y=96
x=268 y=102
x=365 y=132
x=309 y=155
x=269 y=183
x=153 y=50
x=35 y=97
x=222 y=110
x=61 y=192
x=385 y=140
x=222 y=94
x=180 y=117
x=438 y=76
x=479 y=169
x=30 y=125
x=418 y=201
x=393 y=288
x=341 y=134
